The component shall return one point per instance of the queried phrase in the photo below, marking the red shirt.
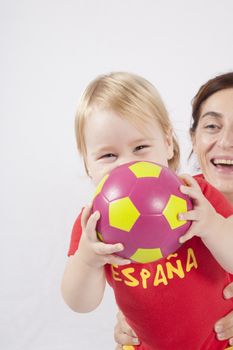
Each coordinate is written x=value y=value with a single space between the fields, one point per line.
x=173 y=303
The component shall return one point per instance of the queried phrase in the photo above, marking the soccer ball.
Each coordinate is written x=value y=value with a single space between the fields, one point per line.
x=139 y=203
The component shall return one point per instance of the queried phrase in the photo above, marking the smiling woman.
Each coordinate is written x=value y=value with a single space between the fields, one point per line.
x=212 y=137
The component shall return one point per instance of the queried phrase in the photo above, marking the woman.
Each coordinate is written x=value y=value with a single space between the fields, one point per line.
x=212 y=138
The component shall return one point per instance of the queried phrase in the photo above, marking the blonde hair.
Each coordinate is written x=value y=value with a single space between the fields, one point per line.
x=129 y=95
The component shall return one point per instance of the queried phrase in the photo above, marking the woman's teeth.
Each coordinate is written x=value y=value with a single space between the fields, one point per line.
x=223 y=161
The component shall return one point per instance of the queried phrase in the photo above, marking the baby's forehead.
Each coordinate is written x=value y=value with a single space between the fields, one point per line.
x=135 y=116
x=104 y=128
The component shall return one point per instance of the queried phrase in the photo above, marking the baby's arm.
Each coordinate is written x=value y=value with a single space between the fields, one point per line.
x=215 y=231
x=84 y=280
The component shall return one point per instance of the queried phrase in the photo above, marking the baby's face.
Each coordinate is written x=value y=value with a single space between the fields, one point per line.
x=112 y=141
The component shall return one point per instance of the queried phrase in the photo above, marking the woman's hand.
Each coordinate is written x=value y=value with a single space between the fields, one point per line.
x=123 y=333
x=207 y=224
x=92 y=251
x=224 y=326
x=205 y=219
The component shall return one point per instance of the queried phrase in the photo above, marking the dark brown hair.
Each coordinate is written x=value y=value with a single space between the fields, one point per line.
x=220 y=82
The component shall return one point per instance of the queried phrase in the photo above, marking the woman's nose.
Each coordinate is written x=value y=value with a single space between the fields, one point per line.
x=226 y=138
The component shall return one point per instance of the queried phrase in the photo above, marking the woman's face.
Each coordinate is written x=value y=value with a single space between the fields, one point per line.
x=213 y=141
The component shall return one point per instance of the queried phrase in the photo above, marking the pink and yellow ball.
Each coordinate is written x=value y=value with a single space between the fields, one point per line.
x=139 y=203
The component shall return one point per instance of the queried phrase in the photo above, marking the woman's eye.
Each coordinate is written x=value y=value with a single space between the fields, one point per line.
x=211 y=126
x=138 y=148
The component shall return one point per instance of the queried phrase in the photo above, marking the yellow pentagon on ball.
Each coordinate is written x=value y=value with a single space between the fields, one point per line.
x=175 y=205
x=123 y=214
x=145 y=169
x=146 y=255
x=100 y=185
x=100 y=237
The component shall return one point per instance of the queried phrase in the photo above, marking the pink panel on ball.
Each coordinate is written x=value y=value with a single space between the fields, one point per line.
x=149 y=196
x=119 y=184
x=154 y=232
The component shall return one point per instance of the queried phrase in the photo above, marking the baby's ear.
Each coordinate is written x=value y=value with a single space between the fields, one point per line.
x=170 y=145
x=88 y=173
x=86 y=167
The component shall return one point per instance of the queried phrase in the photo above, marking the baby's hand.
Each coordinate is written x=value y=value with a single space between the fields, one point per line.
x=93 y=252
x=203 y=216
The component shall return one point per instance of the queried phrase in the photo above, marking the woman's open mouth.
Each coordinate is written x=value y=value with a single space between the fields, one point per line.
x=223 y=165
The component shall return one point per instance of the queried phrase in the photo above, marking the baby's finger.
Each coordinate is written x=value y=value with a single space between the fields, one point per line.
x=105 y=249
x=91 y=226
x=116 y=260
x=85 y=216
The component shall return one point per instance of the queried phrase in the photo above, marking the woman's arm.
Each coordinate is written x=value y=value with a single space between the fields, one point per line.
x=224 y=326
x=215 y=231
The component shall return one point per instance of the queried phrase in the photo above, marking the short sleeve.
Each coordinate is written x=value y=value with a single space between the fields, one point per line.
x=216 y=198
x=75 y=236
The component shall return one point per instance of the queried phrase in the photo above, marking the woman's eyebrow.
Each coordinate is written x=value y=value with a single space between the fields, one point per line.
x=212 y=114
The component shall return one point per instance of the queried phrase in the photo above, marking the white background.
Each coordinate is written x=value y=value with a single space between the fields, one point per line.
x=50 y=50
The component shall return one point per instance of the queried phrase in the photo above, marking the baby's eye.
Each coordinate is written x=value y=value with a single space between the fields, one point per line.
x=140 y=147
x=107 y=155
